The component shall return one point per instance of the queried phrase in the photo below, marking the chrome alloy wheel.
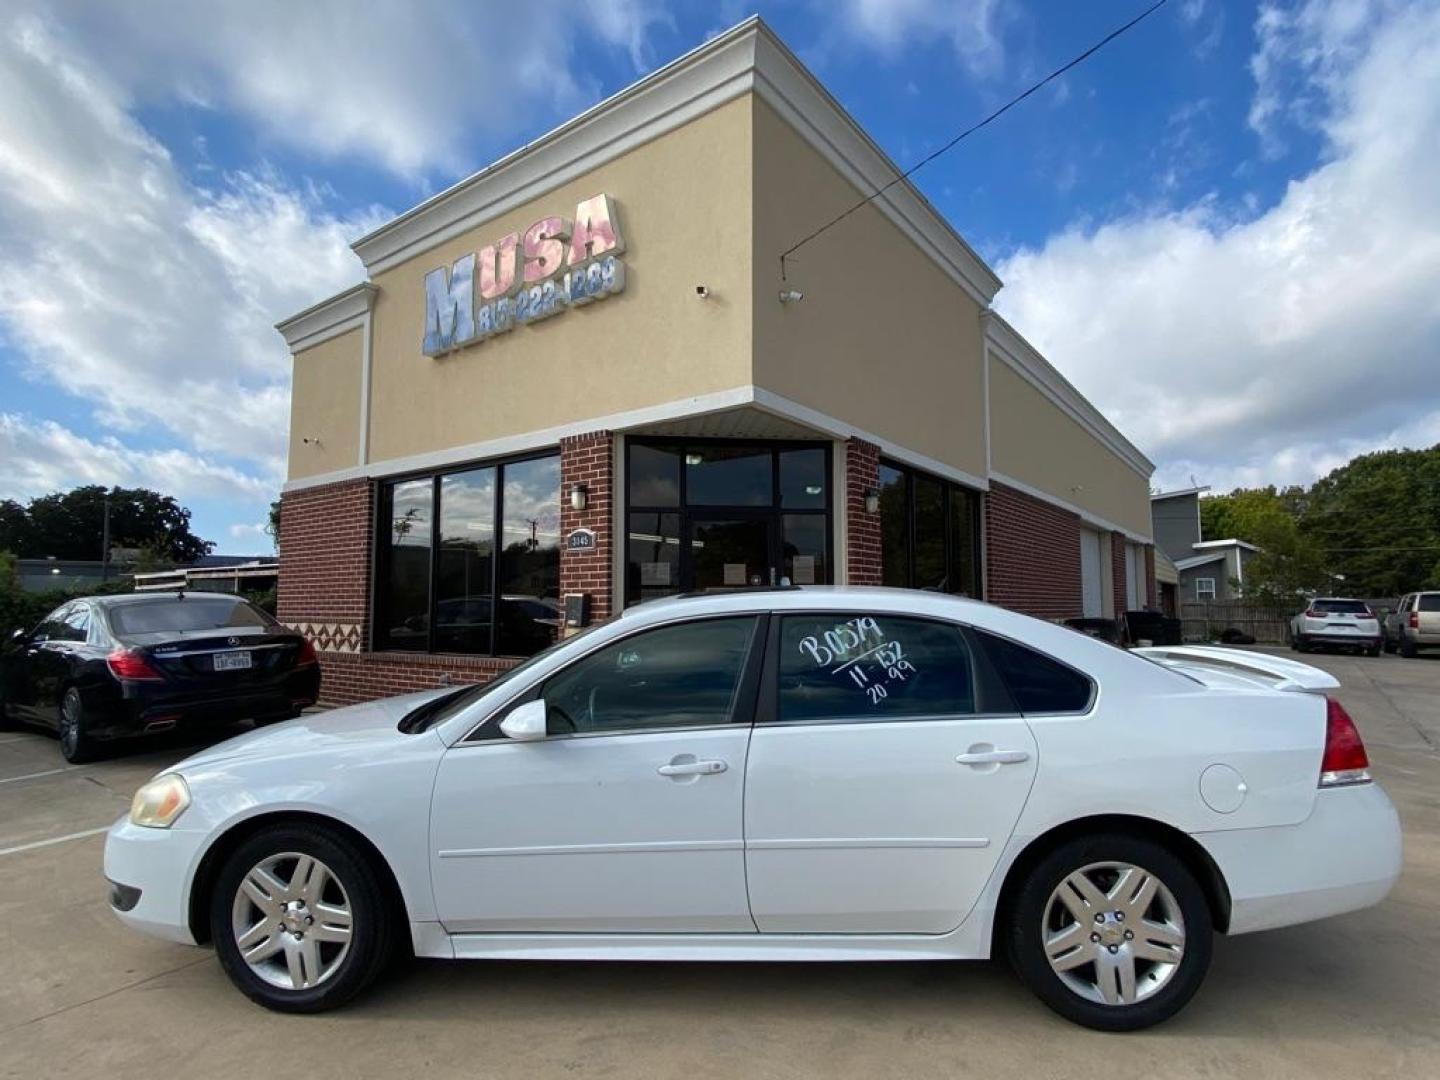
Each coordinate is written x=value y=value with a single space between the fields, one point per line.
x=69 y=722
x=1113 y=933
x=292 y=921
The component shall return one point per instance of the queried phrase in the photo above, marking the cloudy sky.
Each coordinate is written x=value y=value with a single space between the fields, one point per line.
x=1225 y=229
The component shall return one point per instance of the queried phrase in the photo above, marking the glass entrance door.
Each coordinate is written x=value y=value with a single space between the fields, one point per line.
x=729 y=550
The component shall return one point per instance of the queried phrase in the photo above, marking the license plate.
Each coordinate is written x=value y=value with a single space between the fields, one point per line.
x=232 y=661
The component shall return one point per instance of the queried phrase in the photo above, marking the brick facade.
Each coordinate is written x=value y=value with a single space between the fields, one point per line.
x=1032 y=555
x=862 y=528
x=325 y=551
x=589 y=460
x=1119 y=583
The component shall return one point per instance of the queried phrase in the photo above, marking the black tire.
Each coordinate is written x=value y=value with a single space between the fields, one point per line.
x=1373 y=650
x=1388 y=645
x=1302 y=644
x=77 y=745
x=1028 y=923
x=1407 y=649
x=373 y=926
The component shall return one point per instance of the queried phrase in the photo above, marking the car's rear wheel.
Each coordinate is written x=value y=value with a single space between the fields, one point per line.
x=1111 y=931
x=77 y=745
x=299 y=919
x=1407 y=649
x=1302 y=643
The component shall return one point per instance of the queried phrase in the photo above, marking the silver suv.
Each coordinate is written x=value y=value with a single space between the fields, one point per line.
x=1415 y=624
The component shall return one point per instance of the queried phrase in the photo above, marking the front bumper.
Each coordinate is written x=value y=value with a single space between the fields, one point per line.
x=1345 y=856
x=160 y=864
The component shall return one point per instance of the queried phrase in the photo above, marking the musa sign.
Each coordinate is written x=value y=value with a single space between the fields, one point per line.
x=553 y=266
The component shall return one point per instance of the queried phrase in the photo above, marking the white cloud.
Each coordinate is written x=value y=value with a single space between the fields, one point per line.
x=1271 y=348
x=407 y=84
x=891 y=26
x=42 y=456
x=127 y=286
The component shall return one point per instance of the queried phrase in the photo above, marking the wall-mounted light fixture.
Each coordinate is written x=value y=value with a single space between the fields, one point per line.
x=872 y=501
x=311 y=440
x=791 y=296
x=578 y=496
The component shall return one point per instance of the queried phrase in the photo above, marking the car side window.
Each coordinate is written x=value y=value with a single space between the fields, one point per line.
x=684 y=675
x=76 y=626
x=52 y=627
x=872 y=667
x=1038 y=683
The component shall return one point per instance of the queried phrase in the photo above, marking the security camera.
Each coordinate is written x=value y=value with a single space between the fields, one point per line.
x=791 y=296
x=702 y=291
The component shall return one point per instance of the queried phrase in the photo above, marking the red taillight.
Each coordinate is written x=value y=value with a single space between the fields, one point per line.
x=1345 y=760
x=1311 y=613
x=128 y=664
x=307 y=653
x=1414 y=620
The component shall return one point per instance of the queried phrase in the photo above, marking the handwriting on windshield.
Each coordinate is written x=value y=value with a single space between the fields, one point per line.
x=861 y=651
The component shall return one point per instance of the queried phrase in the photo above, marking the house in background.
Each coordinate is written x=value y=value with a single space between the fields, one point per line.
x=1204 y=569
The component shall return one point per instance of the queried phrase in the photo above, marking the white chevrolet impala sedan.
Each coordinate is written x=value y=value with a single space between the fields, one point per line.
x=797 y=774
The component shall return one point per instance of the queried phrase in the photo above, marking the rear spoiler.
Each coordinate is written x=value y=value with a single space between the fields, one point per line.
x=1274 y=672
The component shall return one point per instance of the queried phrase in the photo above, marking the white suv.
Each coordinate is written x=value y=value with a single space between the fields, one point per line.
x=1336 y=622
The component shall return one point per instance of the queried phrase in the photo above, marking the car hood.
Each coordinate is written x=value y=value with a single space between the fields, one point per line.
x=371 y=724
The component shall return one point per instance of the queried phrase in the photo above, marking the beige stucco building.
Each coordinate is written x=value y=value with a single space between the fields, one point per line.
x=580 y=374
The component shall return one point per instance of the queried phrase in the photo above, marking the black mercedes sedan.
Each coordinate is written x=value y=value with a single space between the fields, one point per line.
x=110 y=667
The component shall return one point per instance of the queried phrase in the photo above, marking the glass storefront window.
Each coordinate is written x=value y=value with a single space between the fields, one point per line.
x=929 y=532
x=805 y=549
x=894 y=527
x=652 y=554
x=530 y=614
x=964 y=542
x=707 y=513
x=483 y=575
x=728 y=476
x=803 y=482
x=654 y=475
x=929 y=543
x=407 y=587
x=465 y=573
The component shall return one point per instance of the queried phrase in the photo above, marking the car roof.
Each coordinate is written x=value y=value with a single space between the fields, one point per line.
x=822 y=597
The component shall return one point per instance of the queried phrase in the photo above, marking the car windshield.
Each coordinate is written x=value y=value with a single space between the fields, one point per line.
x=1340 y=607
x=1428 y=602
x=179 y=614
x=443 y=708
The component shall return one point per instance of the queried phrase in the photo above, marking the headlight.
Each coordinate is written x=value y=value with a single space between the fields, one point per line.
x=160 y=802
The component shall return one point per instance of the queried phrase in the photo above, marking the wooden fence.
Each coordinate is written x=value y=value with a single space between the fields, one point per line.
x=1266 y=623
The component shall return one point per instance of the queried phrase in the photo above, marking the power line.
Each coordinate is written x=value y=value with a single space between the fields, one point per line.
x=1091 y=51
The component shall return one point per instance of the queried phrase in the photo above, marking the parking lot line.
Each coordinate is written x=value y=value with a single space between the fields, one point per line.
x=37 y=775
x=18 y=738
x=53 y=840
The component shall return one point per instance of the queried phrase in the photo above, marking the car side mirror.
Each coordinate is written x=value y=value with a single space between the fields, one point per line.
x=526 y=723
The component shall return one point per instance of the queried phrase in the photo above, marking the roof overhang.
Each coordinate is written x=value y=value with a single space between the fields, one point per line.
x=330 y=318
x=1160 y=496
x=1202 y=544
x=1199 y=560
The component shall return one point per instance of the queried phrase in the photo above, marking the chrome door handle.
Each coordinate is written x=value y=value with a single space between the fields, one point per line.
x=692 y=768
x=994 y=757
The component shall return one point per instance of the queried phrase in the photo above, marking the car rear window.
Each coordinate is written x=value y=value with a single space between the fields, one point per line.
x=1428 y=602
x=192 y=613
x=1340 y=607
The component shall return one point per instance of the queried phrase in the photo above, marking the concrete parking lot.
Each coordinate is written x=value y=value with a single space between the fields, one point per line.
x=1357 y=996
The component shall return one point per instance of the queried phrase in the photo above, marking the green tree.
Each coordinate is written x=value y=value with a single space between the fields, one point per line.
x=272 y=525
x=1377 y=520
x=70 y=525
x=1289 y=562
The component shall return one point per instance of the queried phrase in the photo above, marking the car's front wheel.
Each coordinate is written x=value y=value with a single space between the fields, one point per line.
x=1111 y=931
x=299 y=919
